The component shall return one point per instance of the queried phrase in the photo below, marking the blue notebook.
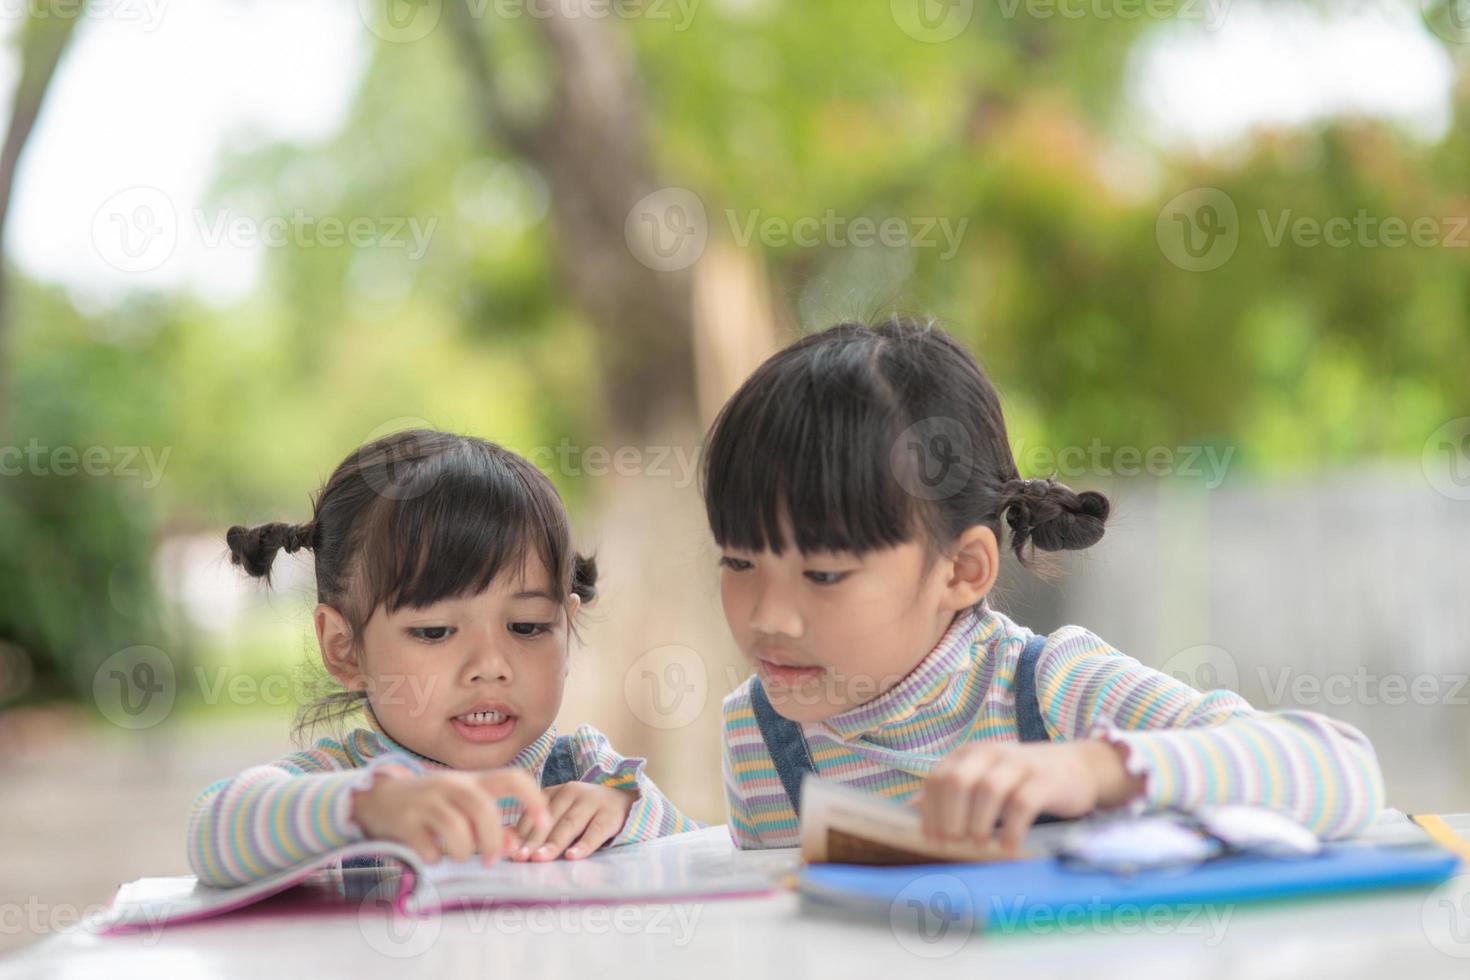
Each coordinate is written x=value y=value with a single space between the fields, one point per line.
x=1005 y=895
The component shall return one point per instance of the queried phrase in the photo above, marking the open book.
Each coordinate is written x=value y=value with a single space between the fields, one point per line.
x=700 y=864
x=843 y=825
x=848 y=826
x=1039 y=895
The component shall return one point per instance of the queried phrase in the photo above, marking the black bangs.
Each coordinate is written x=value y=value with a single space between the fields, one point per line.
x=449 y=525
x=810 y=436
x=414 y=518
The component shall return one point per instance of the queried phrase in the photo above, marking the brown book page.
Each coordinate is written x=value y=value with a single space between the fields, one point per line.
x=845 y=848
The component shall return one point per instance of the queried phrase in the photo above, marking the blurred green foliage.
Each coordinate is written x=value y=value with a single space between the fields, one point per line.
x=1298 y=358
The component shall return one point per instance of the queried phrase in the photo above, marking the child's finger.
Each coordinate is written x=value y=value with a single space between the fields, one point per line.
x=425 y=842
x=601 y=830
x=526 y=826
x=929 y=803
x=949 y=814
x=1020 y=812
x=523 y=831
x=543 y=845
x=928 y=806
x=519 y=786
x=483 y=814
x=933 y=799
x=990 y=795
x=454 y=829
x=538 y=835
x=571 y=825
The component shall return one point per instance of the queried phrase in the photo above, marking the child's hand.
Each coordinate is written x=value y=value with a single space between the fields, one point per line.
x=450 y=814
x=985 y=783
x=584 y=816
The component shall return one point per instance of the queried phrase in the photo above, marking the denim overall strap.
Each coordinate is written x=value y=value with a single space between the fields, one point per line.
x=1028 y=707
x=785 y=743
x=561 y=763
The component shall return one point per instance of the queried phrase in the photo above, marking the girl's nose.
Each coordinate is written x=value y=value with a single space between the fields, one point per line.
x=487 y=662
x=772 y=615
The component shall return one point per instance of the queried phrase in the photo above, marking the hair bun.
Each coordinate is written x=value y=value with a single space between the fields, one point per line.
x=254 y=548
x=1053 y=517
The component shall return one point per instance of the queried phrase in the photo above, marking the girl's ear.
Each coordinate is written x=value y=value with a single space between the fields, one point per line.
x=574 y=603
x=334 y=637
x=976 y=564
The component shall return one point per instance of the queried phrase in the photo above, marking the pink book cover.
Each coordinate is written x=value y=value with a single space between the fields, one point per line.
x=698 y=865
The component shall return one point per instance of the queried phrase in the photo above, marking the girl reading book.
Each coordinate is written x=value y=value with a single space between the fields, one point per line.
x=447 y=591
x=860 y=486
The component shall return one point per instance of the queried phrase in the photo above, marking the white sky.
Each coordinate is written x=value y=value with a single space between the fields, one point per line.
x=149 y=95
x=1283 y=67
x=153 y=90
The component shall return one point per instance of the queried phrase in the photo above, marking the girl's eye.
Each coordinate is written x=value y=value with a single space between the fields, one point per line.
x=734 y=564
x=530 y=629
x=430 y=634
x=826 y=578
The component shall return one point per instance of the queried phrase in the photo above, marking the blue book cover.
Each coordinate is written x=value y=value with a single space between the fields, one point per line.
x=1004 y=895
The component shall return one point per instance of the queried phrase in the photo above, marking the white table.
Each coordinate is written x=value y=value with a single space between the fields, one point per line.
x=1417 y=933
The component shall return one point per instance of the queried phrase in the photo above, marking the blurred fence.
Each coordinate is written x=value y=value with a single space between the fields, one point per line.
x=1344 y=594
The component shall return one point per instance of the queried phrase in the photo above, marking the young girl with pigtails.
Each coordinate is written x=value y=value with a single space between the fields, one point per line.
x=447 y=593
x=861 y=486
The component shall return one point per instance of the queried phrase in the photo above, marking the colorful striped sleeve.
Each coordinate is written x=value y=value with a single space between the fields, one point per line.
x=1195 y=749
x=737 y=813
x=757 y=809
x=653 y=814
x=273 y=817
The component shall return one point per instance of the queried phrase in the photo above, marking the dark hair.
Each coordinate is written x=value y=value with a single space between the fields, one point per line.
x=841 y=432
x=414 y=518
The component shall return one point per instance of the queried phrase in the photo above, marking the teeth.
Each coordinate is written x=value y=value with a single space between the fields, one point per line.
x=483 y=718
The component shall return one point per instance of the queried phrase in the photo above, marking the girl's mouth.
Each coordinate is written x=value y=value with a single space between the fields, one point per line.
x=484 y=726
x=787 y=676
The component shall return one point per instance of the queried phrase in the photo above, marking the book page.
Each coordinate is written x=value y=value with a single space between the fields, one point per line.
x=698 y=864
x=150 y=902
x=845 y=825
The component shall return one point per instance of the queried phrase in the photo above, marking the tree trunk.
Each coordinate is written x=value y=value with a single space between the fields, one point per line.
x=590 y=145
x=43 y=39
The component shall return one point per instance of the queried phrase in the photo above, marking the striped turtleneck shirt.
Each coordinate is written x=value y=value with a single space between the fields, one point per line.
x=1192 y=748
x=275 y=816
